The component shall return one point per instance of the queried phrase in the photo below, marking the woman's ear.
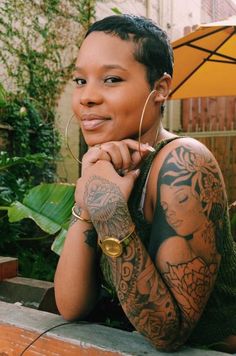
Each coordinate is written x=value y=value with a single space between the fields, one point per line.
x=162 y=87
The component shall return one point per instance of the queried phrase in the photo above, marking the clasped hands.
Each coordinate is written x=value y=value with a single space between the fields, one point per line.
x=115 y=164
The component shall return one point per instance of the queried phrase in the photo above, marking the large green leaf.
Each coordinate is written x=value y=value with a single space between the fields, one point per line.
x=49 y=205
x=59 y=242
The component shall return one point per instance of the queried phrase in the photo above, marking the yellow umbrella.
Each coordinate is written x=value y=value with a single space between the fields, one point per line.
x=205 y=61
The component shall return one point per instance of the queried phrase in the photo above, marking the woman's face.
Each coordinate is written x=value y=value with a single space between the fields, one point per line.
x=111 y=89
x=183 y=210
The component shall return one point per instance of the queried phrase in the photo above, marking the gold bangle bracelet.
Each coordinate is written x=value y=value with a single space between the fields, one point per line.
x=78 y=216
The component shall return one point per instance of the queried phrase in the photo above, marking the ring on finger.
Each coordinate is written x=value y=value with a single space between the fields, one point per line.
x=98 y=146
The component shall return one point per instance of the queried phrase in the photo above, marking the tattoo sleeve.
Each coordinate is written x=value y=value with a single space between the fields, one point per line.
x=164 y=296
x=107 y=207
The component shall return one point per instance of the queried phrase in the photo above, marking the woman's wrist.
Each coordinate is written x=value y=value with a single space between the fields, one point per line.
x=80 y=214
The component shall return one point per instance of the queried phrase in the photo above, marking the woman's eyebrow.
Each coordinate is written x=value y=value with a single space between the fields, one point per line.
x=114 y=66
x=105 y=66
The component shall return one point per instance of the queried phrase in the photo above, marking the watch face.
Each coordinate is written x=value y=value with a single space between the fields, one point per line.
x=112 y=247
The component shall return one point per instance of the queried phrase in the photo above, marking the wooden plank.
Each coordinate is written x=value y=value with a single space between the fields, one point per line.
x=203 y=114
x=186 y=115
x=8 y=267
x=13 y=340
x=230 y=113
x=212 y=114
x=195 y=114
x=221 y=115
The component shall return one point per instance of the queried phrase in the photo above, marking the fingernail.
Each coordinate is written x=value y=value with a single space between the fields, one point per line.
x=137 y=171
x=148 y=147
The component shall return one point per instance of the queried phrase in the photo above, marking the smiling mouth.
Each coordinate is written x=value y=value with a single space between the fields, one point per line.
x=92 y=122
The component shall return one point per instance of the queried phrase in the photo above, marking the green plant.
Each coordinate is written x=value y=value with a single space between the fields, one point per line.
x=49 y=205
x=38 y=52
x=37 y=56
x=2 y=96
x=11 y=188
x=34 y=143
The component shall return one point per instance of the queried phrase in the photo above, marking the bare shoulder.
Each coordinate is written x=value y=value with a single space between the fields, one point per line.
x=185 y=146
x=188 y=201
x=189 y=157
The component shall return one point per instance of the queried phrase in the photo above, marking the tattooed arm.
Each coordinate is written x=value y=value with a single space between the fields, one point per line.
x=142 y=293
x=164 y=297
x=76 y=277
x=76 y=282
x=190 y=204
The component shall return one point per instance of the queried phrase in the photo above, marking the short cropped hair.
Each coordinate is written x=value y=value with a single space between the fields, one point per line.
x=153 y=48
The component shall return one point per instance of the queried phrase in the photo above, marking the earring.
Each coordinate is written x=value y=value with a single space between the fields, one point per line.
x=141 y=121
x=67 y=141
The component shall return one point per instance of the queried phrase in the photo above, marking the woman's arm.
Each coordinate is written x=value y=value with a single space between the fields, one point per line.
x=161 y=296
x=144 y=296
x=76 y=284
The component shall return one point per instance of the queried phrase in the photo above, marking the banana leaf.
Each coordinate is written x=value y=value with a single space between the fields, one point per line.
x=49 y=205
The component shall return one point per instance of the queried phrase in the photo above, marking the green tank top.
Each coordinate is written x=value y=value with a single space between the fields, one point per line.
x=219 y=317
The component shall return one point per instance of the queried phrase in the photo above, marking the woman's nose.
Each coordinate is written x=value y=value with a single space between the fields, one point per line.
x=170 y=213
x=90 y=95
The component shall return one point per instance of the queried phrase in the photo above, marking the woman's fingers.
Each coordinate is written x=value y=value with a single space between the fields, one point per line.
x=119 y=153
x=93 y=155
x=138 y=151
x=124 y=155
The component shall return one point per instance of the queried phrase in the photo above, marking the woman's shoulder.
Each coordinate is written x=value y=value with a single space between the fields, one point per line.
x=181 y=156
x=180 y=150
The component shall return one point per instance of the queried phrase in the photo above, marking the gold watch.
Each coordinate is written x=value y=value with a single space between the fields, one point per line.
x=113 y=247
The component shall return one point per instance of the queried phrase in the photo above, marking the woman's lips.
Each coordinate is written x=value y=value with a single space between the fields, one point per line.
x=91 y=122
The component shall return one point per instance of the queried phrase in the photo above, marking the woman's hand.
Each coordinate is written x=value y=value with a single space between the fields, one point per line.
x=104 y=194
x=106 y=176
x=112 y=161
x=124 y=155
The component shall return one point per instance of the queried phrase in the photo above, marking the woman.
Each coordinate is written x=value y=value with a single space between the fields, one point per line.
x=150 y=207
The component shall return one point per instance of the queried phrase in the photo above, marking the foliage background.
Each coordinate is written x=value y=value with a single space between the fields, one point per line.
x=37 y=55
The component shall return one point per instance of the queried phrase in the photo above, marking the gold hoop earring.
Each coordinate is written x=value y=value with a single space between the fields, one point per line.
x=67 y=141
x=141 y=121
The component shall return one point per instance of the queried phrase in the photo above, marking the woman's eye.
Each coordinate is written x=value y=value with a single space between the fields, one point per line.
x=113 y=80
x=79 y=81
x=183 y=198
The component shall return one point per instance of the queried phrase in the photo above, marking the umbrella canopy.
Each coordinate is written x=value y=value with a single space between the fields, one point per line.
x=205 y=61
